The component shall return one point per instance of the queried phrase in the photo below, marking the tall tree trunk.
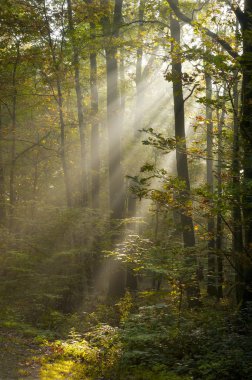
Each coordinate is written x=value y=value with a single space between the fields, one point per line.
x=13 y=143
x=139 y=62
x=236 y=211
x=219 y=224
x=116 y=180
x=95 y=132
x=192 y=289
x=63 y=144
x=2 y=184
x=122 y=85
x=59 y=99
x=79 y=98
x=246 y=130
x=211 y=275
x=95 y=137
x=139 y=100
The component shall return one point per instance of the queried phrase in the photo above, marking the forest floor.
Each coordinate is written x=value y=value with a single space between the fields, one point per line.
x=19 y=356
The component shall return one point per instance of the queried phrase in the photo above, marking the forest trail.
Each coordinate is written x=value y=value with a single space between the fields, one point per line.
x=18 y=357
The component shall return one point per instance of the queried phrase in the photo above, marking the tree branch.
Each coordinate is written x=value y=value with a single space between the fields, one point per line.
x=228 y=48
x=38 y=143
x=191 y=92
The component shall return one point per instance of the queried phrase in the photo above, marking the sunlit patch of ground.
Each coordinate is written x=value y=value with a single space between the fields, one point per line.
x=62 y=369
x=18 y=357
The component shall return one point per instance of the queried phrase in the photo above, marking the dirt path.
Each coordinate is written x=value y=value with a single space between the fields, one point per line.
x=18 y=357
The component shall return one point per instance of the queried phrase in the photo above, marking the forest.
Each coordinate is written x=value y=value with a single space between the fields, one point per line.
x=126 y=189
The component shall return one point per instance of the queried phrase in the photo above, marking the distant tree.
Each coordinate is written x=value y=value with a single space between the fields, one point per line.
x=94 y=99
x=55 y=51
x=211 y=277
x=79 y=98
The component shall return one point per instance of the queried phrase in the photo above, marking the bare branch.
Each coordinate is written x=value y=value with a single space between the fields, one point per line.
x=38 y=143
x=191 y=92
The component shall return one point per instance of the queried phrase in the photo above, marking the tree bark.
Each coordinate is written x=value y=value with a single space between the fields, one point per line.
x=211 y=276
x=139 y=61
x=138 y=103
x=13 y=143
x=192 y=289
x=79 y=99
x=2 y=183
x=95 y=136
x=219 y=224
x=59 y=99
x=116 y=180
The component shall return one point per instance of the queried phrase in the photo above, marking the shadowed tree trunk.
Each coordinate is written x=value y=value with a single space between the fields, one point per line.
x=139 y=100
x=192 y=288
x=13 y=137
x=219 y=224
x=116 y=180
x=79 y=99
x=2 y=185
x=59 y=99
x=114 y=124
x=95 y=138
x=211 y=275
x=139 y=61
x=95 y=125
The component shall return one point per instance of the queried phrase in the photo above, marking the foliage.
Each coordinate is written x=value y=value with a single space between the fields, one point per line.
x=62 y=62
x=85 y=358
x=199 y=345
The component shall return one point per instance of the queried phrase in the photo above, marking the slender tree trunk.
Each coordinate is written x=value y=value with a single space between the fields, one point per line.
x=192 y=290
x=114 y=123
x=219 y=224
x=13 y=143
x=122 y=85
x=139 y=63
x=211 y=276
x=139 y=100
x=95 y=132
x=79 y=99
x=95 y=137
x=116 y=181
x=236 y=211
x=2 y=184
x=63 y=145
x=59 y=100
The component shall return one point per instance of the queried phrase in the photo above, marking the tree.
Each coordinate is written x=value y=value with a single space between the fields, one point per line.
x=211 y=288
x=95 y=132
x=79 y=99
x=116 y=180
x=181 y=155
x=2 y=179
x=56 y=62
